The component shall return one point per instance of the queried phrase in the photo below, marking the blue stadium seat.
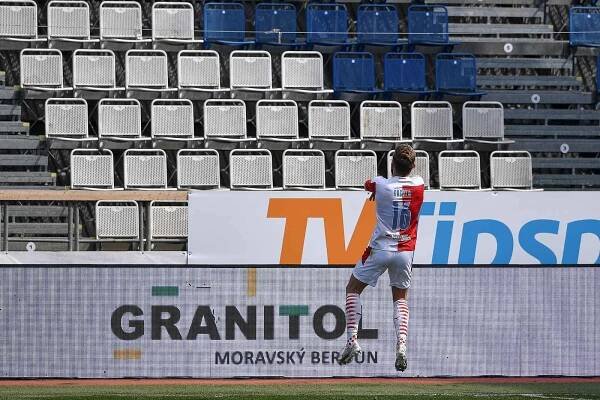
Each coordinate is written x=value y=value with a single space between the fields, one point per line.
x=428 y=25
x=405 y=73
x=377 y=24
x=327 y=24
x=354 y=72
x=275 y=23
x=225 y=23
x=584 y=26
x=456 y=74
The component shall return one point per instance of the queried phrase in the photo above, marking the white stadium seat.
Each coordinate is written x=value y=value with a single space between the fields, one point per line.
x=303 y=169
x=145 y=169
x=302 y=74
x=198 y=169
x=511 y=170
x=68 y=23
x=168 y=220
x=121 y=24
x=94 y=70
x=117 y=220
x=250 y=169
x=431 y=121
x=277 y=120
x=199 y=74
x=92 y=169
x=354 y=167
x=459 y=170
x=381 y=121
x=67 y=119
x=225 y=120
x=146 y=73
x=173 y=23
x=250 y=71
x=42 y=70
x=483 y=122
x=18 y=24
x=329 y=121
x=120 y=119
x=172 y=119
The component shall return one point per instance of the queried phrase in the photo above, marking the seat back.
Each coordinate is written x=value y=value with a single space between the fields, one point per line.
x=250 y=168
x=41 y=68
x=276 y=118
x=94 y=68
x=511 y=170
x=427 y=23
x=456 y=72
x=250 y=69
x=172 y=118
x=198 y=69
x=172 y=20
x=421 y=166
x=354 y=167
x=144 y=169
x=168 y=220
x=224 y=118
x=18 y=19
x=68 y=19
x=91 y=168
x=404 y=71
x=326 y=23
x=353 y=71
x=198 y=169
x=118 y=220
x=146 y=69
x=275 y=23
x=303 y=169
x=380 y=120
x=329 y=119
x=459 y=169
x=584 y=26
x=120 y=20
x=377 y=23
x=302 y=70
x=431 y=120
x=66 y=118
x=119 y=118
x=224 y=21
x=483 y=120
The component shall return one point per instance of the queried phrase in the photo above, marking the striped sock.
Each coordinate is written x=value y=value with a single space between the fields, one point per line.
x=401 y=319
x=353 y=313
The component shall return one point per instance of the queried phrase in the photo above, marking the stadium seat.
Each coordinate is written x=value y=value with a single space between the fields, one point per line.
x=225 y=23
x=144 y=169
x=168 y=220
x=459 y=170
x=329 y=121
x=172 y=119
x=381 y=121
x=67 y=119
x=92 y=169
x=146 y=74
x=511 y=170
x=354 y=167
x=302 y=74
x=456 y=75
x=68 y=24
x=18 y=24
x=377 y=24
x=198 y=169
x=199 y=74
x=428 y=25
x=225 y=120
x=275 y=24
x=405 y=73
x=584 y=26
x=421 y=166
x=303 y=169
x=94 y=73
x=250 y=169
x=354 y=73
x=326 y=24
x=277 y=120
x=250 y=71
x=121 y=25
x=483 y=122
x=120 y=120
x=42 y=72
x=173 y=24
x=117 y=220
x=431 y=121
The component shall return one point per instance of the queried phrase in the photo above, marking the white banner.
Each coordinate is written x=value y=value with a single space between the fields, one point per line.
x=334 y=228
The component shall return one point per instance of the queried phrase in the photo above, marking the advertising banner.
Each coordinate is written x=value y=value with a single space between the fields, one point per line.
x=170 y=321
x=269 y=228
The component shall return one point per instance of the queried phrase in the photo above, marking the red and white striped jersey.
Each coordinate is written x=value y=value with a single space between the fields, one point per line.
x=398 y=202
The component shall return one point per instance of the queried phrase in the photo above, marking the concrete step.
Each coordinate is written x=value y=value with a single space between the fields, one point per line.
x=22 y=142
x=23 y=160
x=566 y=163
x=27 y=178
x=14 y=127
x=542 y=97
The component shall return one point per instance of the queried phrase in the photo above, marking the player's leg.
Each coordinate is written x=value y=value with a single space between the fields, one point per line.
x=400 y=277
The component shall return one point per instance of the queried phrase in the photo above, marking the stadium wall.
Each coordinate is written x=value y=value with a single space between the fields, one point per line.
x=169 y=320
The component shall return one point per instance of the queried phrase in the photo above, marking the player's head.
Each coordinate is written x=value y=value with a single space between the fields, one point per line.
x=403 y=160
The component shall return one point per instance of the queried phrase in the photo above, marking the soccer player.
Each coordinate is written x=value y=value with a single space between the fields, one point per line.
x=398 y=203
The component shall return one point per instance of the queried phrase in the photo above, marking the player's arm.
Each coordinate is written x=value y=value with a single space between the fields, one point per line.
x=370 y=186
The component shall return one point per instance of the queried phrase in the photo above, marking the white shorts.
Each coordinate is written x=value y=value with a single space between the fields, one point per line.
x=375 y=262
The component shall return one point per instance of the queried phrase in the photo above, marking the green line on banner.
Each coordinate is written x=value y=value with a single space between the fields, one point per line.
x=292 y=309
x=165 y=291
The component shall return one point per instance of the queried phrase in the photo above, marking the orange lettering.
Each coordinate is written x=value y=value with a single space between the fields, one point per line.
x=297 y=211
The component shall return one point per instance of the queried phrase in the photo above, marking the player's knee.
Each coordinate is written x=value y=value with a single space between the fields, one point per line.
x=354 y=286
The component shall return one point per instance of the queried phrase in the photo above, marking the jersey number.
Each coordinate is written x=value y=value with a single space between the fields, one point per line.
x=402 y=215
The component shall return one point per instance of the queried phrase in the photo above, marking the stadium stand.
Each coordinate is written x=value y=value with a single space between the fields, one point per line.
x=255 y=95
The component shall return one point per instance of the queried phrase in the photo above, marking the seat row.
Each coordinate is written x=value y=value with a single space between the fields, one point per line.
x=302 y=169
x=68 y=23
x=199 y=71
x=224 y=120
